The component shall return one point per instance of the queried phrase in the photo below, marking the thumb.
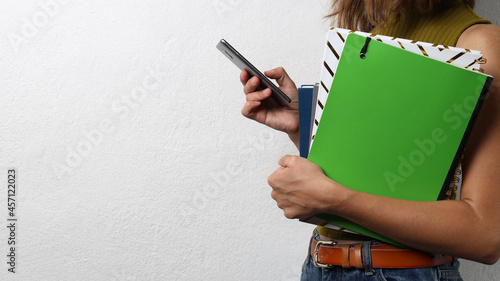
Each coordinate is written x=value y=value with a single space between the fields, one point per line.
x=280 y=75
x=286 y=161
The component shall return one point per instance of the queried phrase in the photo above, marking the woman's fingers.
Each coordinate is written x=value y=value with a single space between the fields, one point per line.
x=259 y=95
x=254 y=98
x=244 y=77
x=249 y=108
x=251 y=85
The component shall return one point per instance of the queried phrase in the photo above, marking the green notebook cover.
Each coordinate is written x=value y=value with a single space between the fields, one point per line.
x=395 y=123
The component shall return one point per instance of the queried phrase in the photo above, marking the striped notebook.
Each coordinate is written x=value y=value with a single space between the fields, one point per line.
x=469 y=59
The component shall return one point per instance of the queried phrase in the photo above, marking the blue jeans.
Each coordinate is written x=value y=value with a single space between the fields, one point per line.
x=310 y=272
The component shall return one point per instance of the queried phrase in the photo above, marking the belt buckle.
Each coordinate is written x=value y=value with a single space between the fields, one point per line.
x=316 y=251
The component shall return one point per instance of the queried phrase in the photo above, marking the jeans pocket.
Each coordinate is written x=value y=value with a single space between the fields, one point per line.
x=449 y=272
x=306 y=262
x=310 y=272
x=410 y=274
x=450 y=275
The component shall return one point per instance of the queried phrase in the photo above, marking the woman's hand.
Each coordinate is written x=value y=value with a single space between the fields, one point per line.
x=263 y=109
x=301 y=189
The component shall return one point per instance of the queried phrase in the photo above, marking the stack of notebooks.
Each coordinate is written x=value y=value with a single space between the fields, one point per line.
x=390 y=117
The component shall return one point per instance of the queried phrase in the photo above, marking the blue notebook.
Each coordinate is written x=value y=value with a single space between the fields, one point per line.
x=307 y=95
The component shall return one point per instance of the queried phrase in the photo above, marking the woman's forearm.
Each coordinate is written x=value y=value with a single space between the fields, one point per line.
x=445 y=227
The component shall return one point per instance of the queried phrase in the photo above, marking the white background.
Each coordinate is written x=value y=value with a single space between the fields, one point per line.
x=133 y=161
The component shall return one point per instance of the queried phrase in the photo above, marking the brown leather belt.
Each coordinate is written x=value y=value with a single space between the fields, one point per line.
x=328 y=254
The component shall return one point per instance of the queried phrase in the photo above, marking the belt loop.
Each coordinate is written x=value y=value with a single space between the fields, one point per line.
x=367 y=258
x=345 y=256
x=358 y=256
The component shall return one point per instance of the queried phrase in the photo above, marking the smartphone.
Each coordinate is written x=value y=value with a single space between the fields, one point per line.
x=244 y=64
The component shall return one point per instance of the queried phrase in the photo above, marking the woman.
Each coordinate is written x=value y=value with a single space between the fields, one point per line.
x=467 y=228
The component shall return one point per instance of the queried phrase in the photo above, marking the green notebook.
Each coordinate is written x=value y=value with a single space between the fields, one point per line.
x=395 y=123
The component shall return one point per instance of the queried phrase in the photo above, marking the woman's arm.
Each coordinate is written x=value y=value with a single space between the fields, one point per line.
x=467 y=228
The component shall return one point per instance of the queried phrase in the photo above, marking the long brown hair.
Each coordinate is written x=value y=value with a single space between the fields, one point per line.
x=365 y=14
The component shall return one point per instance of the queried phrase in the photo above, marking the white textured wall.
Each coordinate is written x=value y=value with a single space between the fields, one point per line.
x=132 y=159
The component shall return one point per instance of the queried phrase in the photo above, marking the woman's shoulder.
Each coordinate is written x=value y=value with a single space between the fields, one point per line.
x=484 y=38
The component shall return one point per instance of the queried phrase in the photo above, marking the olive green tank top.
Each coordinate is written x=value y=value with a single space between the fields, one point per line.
x=443 y=28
